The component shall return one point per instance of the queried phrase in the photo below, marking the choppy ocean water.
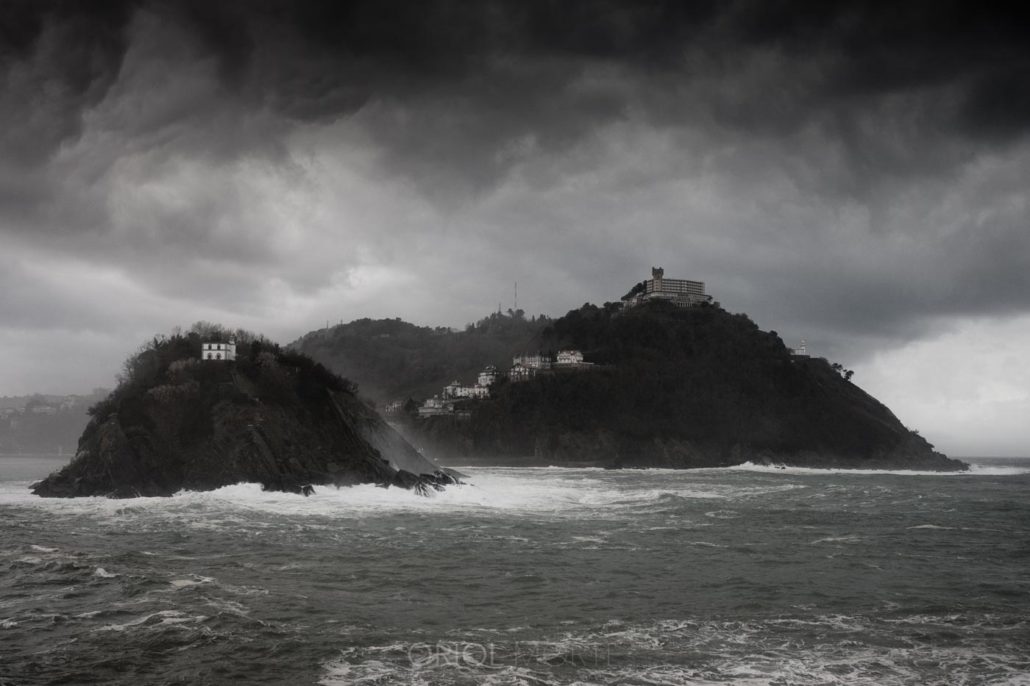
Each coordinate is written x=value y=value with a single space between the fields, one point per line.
x=527 y=576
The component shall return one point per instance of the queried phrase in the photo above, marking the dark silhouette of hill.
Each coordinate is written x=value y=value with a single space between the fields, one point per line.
x=671 y=387
x=272 y=416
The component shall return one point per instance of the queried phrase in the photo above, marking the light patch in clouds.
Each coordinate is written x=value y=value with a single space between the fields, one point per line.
x=967 y=391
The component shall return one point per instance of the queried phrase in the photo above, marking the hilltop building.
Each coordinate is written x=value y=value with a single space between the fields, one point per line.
x=519 y=372
x=524 y=367
x=456 y=391
x=434 y=406
x=487 y=377
x=801 y=350
x=218 y=351
x=535 y=362
x=568 y=358
x=679 y=292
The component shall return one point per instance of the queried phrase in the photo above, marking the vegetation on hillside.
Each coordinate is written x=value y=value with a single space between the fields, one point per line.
x=670 y=386
x=678 y=387
x=697 y=374
x=391 y=359
x=168 y=368
x=272 y=416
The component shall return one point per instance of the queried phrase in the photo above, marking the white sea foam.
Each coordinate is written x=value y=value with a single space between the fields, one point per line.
x=550 y=492
x=838 y=539
x=837 y=649
x=29 y=560
x=722 y=514
x=195 y=581
x=974 y=470
x=997 y=470
x=539 y=491
x=103 y=573
x=162 y=618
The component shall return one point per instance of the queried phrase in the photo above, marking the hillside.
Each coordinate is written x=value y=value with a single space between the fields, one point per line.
x=391 y=359
x=671 y=387
x=275 y=417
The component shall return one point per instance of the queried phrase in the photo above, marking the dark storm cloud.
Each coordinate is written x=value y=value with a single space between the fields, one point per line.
x=57 y=59
x=510 y=66
x=846 y=167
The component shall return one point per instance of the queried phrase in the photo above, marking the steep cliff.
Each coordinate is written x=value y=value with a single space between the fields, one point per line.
x=271 y=417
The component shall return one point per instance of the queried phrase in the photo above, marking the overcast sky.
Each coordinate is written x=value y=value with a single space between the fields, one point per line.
x=854 y=174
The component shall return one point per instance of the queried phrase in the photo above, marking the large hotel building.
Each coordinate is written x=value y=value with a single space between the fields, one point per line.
x=677 y=291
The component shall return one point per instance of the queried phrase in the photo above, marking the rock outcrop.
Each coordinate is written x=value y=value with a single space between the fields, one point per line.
x=271 y=417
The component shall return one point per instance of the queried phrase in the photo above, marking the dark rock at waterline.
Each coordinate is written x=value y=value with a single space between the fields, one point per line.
x=269 y=417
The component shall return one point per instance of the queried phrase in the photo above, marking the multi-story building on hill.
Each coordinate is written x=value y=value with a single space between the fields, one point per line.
x=568 y=357
x=535 y=362
x=677 y=291
x=519 y=372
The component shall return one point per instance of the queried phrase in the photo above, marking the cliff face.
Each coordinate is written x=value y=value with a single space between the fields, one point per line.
x=270 y=417
x=695 y=387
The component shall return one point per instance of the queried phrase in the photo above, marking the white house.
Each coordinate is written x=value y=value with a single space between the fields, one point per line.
x=487 y=377
x=519 y=372
x=434 y=406
x=218 y=351
x=566 y=357
x=478 y=392
x=452 y=390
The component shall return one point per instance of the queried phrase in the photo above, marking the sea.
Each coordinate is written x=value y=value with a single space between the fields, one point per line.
x=534 y=576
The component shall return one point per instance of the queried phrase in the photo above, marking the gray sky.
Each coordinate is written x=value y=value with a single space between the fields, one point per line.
x=850 y=173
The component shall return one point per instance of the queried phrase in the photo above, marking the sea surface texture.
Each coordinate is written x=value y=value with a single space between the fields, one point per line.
x=527 y=576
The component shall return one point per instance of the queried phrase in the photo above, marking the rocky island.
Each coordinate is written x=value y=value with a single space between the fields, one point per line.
x=213 y=408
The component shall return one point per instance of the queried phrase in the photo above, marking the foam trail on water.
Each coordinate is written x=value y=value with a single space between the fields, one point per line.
x=974 y=470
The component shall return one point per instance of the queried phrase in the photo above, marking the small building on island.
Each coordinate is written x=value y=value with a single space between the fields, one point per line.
x=225 y=352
